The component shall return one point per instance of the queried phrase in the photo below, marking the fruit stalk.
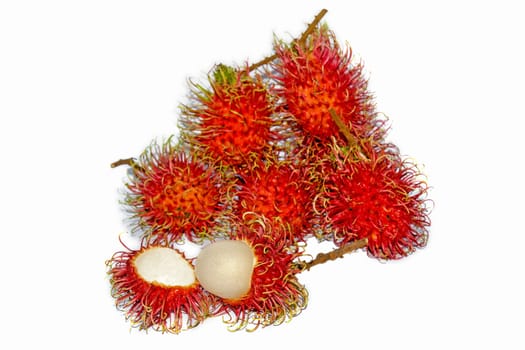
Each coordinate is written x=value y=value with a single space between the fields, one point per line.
x=321 y=258
x=301 y=40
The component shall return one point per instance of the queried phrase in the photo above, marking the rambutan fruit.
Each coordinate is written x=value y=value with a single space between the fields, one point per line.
x=382 y=199
x=270 y=292
x=232 y=122
x=315 y=76
x=156 y=288
x=224 y=268
x=281 y=192
x=172 y=195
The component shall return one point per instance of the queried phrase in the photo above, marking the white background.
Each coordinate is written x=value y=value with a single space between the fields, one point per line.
x=83 y=83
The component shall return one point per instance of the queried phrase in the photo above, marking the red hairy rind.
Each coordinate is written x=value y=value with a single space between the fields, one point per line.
x=281 y=192
x=234 y=122
x=317 y=77
x=154 y=306
x=172 y=195
x=275 y=295
x=383 y=200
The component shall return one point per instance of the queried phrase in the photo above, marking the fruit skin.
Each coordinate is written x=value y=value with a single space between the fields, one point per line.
x=172 y=195
x=316 y=76
x=382 y=199
x=281 y=192
x=153 y=305
x=234 y=121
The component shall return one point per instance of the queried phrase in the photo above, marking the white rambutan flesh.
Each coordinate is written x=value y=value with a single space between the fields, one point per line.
x=165 y=266
x=225 y=268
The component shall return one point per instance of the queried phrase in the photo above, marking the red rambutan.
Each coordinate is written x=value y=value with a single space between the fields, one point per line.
x=382 y=199
x=280 y=192
x=316 y=76
x=156 y=288
x=233 y=122
x=172 y=195
x=274 y=294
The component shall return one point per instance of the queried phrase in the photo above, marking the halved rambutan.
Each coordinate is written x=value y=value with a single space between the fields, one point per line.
x=382 y=199
x=172 y=195
x=156 y=288
x=233 y=122
x=280 y=191
x=273 y=294
x=316 y=76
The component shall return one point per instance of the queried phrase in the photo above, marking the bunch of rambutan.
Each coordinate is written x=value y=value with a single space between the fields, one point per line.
x=270 y=155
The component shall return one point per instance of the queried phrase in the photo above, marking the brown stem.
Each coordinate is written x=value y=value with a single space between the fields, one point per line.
x=311 y=26
x=128 y=161
x=262 y=62
x=353 y=143
x=301 y=40
x=321 y=258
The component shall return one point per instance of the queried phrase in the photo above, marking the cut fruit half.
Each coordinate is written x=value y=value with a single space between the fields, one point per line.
x=156 y=288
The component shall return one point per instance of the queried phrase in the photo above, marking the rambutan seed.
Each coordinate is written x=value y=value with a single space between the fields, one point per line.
x=164 y=266
x=225 y=268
